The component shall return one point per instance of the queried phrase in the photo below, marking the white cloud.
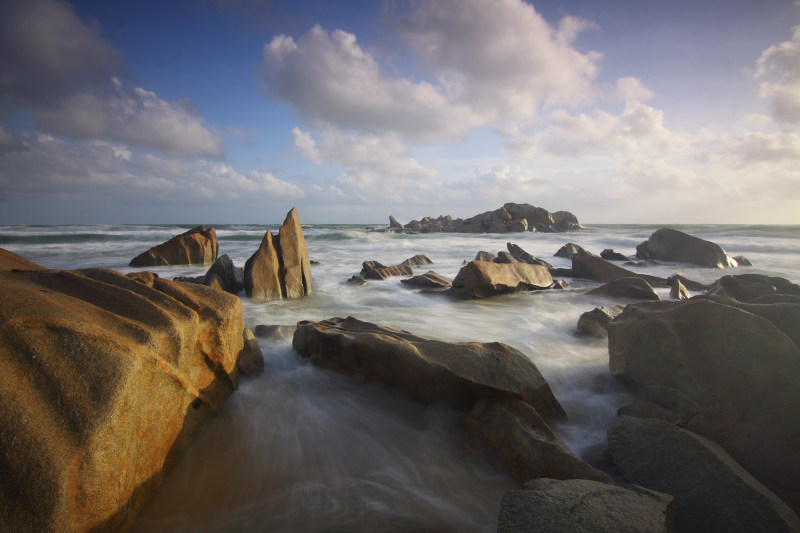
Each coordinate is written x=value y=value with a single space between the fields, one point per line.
x=779 y=67
x=631 y=89
x=758 y=148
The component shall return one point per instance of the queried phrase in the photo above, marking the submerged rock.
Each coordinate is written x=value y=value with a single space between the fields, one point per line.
x=429 y=280
x=458 y=374
x=198 y=246
x=104 y=381
x=251 y=362
x=668 y=244
x=479 y=279
x=595 y=322
x=633 y=288
x=584 y=506
x=521 y=255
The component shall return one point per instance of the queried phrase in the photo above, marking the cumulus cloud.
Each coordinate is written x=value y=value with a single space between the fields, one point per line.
x=756 y=148
x=65 y=74
x=779 y=68
x=631 y=89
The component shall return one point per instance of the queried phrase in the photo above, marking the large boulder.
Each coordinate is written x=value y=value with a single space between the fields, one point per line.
x=729 y=369
x=510 y=434
x=668 y=244
x=584 y=506
x=280 y=268
x=12 y=261
x=104 y=381
x=712 y=492
x=198 y=246
x=569 y=249
x=511 y=217
x=519 y=254
x=430 y=370
x=479 y=279
x=632 y=288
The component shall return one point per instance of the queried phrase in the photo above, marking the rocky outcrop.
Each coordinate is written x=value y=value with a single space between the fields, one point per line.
x=429 y=280
x=394 y=224
x=417 y=260
x=104 y=380
x=510 y=434
x=569 y=249
x=632 y=288
x=584 y=506
x=458 y=374
x=198 y=246
x=712 y=492
x=521 y=255
x=225 y=276
x=747 y=287
x=590 y=266
x=510 y=218
x=594 y=323
x=280 y=268
x=479 y=279
x=12 y=261
x=504 y=258
x=727 y=368
x=668 y=244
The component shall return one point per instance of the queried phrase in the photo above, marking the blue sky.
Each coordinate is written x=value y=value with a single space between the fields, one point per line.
x=234 y=111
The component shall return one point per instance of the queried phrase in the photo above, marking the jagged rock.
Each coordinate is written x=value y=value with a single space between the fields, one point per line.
x=509 y=218
x=144 y=276
x=458 y=374
x=610 y=255
x=265 y=331
x=633 y=288
x=568 y=249
x=198 y=246
x=280 y=268
x=746 y=287
x=594 y=322
x=223 y=275
x=394 y=224
x=521 y=255
x=678 y=290
x=730 y=369
x=584 y=506
x=104 y=381
x=595 y=268
x=509 y=434
x=712 y=492
x=485 y=256
x=668 y=244
x=742 y=261
x=479 y=279
x=504 y=258
x=12 y=261
x=251 y=362
x=357 y=280
x=565 y=221
x=382 y=272
x=417 y=260
x=429 y=280
x=559 y=284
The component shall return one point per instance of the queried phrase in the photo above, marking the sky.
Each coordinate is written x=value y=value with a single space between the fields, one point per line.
x=235 y=111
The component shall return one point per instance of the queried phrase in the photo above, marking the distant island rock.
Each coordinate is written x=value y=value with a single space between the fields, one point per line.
x=510 y=218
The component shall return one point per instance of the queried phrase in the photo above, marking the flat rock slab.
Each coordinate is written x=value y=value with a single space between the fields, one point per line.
x=455 y=373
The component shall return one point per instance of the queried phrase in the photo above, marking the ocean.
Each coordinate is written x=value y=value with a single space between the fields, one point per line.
x=303 y=449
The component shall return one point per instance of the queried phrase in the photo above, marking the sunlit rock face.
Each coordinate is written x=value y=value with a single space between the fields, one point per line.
x=104 y=380
x=198 y=246
x=668 y=244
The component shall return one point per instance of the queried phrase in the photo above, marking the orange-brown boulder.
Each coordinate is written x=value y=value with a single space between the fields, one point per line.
x=12 y=261
x=198 y=246
x=479 y=279
x=104 y=380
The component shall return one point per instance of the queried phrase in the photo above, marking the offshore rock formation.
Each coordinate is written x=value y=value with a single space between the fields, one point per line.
x=668 y=244
x=280 y=268
x=507 y=219
x=198 y=246
x=104 y=380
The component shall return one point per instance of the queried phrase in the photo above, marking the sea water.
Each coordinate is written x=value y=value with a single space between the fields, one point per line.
x=304 y=449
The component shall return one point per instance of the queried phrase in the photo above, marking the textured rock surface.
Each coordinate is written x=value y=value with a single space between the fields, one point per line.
x=633 y=288
x=595 y=322
x=568 y=249
x=251 y=360
x=510 y=434
x=12 y=261
x=589 y=266
x=262 y=279
x=746 y=287
x=583 y=506
x=668 y=244
x=104 y=380
x=521 y=255
x=198 y=246
x=730 y=369
x=374 y=270
x=712 y=492
x=479 y=279
x=223 y=275
x=429 y=280
x=455 y=373
x=417 y=260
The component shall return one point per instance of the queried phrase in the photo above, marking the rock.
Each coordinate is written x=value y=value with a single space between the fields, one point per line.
x=12 y=261
x=509 y=434
x=584 y=506
x=610 y=255
x=745 y=287
x=595 y=268
x=144 y=276
x=104 y=381
x=394 y=224
x=565 y=221
x=678 y=291
x=264 y=331
x=251 y=362
x=383 y=272
x=516 y=226
x=504 y=258
x=559 y=284
x=729 y=370
x=223 y=275
x=640 y=409
x=509 y=218
x=686 y=282
x=357 y=280
x=569 y=249
x=458 y=374
x=280 y=268
x=485 y=256
x=197 y=280
x=668 y=244
x=712 y=492
x=521 y=255
x=742 y=261
x=633 y=288
x=417 y=260
x=198 y=246
x=593 y=323
x=429 y=280
x=479 y=279
x=561 y=272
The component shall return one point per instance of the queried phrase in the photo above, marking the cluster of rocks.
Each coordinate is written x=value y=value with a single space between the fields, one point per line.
x=279 y=269
x=510 y=218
